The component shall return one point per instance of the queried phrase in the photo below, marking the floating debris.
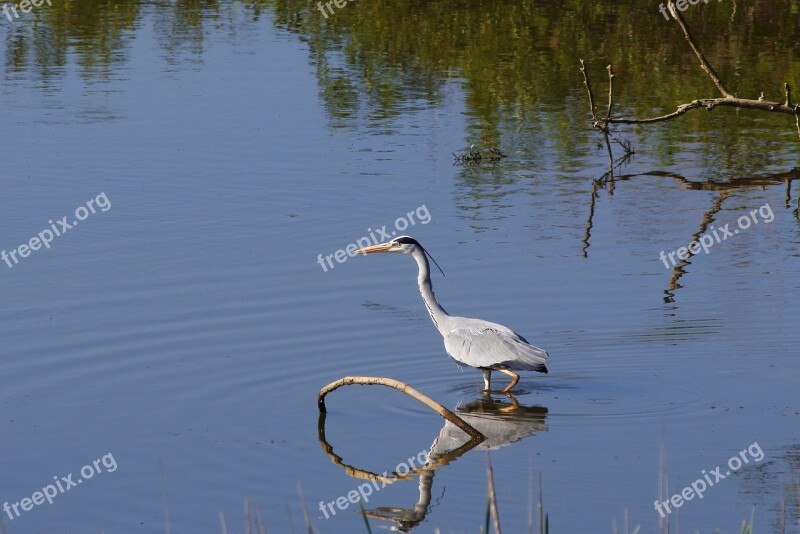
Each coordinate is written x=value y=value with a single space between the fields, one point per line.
x=473 y=156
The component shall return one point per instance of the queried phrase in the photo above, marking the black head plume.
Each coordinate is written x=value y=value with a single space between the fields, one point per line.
x=406 y=240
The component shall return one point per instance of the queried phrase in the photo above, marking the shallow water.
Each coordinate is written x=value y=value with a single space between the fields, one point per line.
x=187 y=329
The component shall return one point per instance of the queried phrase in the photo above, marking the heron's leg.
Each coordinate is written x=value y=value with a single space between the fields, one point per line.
x=513 y=375
x=487 y=378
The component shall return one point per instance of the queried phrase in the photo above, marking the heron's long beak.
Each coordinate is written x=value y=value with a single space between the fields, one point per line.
x=382 y=247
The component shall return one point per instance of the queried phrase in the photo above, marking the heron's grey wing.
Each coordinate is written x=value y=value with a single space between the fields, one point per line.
x=494 y=346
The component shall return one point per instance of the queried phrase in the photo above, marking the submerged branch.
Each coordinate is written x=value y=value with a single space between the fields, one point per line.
x=476 y=438
x=385 y=477
x=589 y=90
x=602 y=124
x=610 y=91
x=403 y=388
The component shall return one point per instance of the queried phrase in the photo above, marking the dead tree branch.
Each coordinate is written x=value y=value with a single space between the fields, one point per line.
x=711 y=103
x=602 y=124
x=727 y=99
x=676 y=15
x=403 y=388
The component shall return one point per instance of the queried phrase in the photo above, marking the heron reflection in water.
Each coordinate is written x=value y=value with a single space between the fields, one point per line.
x=472 y=342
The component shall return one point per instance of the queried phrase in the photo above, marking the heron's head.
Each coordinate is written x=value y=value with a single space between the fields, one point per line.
x=402 y=245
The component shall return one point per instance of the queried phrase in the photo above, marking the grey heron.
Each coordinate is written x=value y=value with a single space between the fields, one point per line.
x=471 y=342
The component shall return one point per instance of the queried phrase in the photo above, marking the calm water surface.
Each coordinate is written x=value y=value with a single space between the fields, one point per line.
x=186 y=330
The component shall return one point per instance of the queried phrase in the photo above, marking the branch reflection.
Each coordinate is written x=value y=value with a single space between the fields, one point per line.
x=502 y=421
x=724 y=189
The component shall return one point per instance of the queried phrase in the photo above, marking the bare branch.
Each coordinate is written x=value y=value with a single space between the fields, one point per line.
x=727 y=99
x=403 y=388
x=589 y=90
x=602 y=123
x=699 y=53
x=610 y=91
x=711 y=103
x=492 y=495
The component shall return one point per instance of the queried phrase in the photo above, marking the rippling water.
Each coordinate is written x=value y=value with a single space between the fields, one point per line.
x=188 y=328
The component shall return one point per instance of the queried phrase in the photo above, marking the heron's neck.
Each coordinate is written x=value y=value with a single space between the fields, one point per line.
x=438 y=314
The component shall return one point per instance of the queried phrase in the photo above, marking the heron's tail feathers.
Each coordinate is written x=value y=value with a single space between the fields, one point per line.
x=531 y=358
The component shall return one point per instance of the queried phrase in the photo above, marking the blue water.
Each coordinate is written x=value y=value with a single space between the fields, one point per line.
x=187 y=329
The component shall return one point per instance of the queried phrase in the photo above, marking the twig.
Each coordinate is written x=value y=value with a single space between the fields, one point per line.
x=492 y=495
x=711 y=103
x=602 y=124
x=365 y=515
x=540 y=506
x=530 y=501
x=610 y=91
x=589 y=90
x=222 y=524
x=165 y=502
x=699 y=53
x=306 y=515
x=605 y=123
